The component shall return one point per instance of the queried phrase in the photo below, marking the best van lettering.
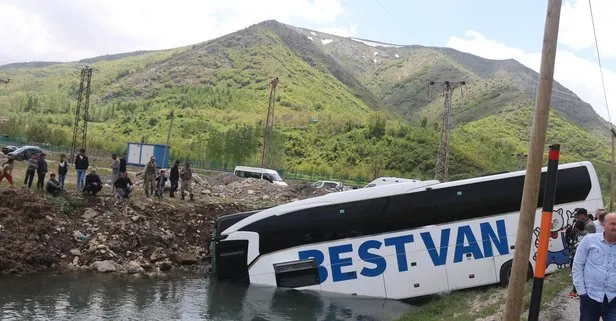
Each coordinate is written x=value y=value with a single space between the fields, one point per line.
x=343 y=268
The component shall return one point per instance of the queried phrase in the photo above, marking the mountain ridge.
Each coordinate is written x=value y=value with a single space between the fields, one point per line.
x=342 y=106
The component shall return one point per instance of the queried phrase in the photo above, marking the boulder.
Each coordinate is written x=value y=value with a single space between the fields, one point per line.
x=105 y=266
x=89 y=214
x=186 y=258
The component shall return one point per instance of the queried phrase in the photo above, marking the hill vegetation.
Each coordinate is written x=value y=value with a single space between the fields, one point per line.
x=343 y=106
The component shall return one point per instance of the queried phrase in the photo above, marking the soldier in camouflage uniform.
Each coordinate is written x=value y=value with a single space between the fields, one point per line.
x=149 y=177
x=186 y=177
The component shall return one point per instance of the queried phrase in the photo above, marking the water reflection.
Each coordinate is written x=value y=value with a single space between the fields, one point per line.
x=112 y=297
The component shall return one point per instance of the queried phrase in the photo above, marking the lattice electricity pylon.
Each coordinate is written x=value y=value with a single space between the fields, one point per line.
x=82 y=113
x=442 y=159
x=269 y=120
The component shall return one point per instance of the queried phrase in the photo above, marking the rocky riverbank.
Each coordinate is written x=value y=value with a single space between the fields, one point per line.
x=40 y=233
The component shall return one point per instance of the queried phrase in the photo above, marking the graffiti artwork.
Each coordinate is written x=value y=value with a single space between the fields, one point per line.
x=558 y=251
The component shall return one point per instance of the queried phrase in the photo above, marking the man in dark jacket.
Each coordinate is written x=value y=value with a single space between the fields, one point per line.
x=81 y=166
x=174 y=178
x=93 y=183
x=53 y=186
x=41 y=171
x=123 y=186
x=123 y=164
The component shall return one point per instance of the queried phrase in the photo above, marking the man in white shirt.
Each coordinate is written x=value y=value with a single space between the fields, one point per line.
x=600 y=215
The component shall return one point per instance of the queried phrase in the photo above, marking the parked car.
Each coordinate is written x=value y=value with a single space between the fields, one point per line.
x=9 y=148
x=330 y=185
x=269 y=175
x=25 y=152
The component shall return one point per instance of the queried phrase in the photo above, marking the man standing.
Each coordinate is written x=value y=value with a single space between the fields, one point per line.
x=41 y=171
x=186 y=176
x=123 y=163
x=81 y=166
x=594 y=273
x=174 y=178
x=149 y=177
x=115 y=170
x=32 y=166
x=581 y=215
x=600 y=220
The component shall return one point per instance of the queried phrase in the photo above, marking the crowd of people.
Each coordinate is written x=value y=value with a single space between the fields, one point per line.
x=593 y=263
x=90 y=184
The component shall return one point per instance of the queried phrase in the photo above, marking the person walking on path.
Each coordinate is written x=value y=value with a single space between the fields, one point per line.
x=149 y=177
x=81 y=167
x=6 y=171
x=32 y=166
x=594 y=273
x=62 y=170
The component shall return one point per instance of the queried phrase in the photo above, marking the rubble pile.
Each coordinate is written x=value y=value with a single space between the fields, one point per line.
x=140 y=235
x=105 y=234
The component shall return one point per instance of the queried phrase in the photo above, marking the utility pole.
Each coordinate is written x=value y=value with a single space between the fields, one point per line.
x=530 y=193
x=167 y=147
x=613 y=172
x=269 y=120
x=442 y=159
x=82 y=113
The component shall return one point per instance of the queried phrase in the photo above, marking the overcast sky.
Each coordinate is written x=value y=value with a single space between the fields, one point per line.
x=70 y=30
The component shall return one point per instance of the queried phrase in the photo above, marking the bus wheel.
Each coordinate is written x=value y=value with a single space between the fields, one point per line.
x=505 y=273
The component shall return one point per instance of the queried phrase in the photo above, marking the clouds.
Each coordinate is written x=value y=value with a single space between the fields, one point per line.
x=579 y=74
x=74 y=29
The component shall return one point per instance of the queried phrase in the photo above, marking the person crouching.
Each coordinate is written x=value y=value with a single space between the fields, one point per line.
x=53 y=186
x=93 y=183
x=123 y=186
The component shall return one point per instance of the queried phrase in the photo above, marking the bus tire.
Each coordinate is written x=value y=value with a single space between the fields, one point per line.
x=505 y=273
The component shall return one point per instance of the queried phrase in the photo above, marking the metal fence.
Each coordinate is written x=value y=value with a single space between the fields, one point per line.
x=195 y=163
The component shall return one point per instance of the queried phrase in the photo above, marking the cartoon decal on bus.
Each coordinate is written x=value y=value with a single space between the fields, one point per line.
x=558 y=251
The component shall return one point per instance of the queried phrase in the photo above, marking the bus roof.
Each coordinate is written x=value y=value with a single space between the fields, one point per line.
x=389 y=190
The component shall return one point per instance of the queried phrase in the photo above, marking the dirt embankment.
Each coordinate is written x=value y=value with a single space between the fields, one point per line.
x=39 y=233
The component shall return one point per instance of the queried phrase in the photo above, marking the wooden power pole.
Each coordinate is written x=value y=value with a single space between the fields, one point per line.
x=612 y=171
x=532 y=181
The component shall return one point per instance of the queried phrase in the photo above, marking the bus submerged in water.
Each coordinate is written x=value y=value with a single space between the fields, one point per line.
x=401 y=240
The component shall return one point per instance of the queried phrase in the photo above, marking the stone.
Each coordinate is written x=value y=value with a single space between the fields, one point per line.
x=133 y=267
x=76 y=261
x=164 y=266
x=76 y=252
x=158 y=255
x=105 y=266
x=186 y=258
x=89 y=214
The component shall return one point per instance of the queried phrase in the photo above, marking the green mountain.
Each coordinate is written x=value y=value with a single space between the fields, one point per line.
x=344 y=106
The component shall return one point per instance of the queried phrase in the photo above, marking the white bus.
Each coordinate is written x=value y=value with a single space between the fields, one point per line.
x=398 y=241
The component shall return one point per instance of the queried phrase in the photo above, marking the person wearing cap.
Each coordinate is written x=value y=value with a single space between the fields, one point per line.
x=581 y=215
x=600 y=214
x=160 y=183
x=93 y=183
x=149 y=176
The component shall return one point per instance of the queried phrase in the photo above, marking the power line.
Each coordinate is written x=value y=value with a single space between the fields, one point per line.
x=594 y=31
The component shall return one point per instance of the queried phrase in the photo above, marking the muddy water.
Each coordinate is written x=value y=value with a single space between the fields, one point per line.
x=109 y=297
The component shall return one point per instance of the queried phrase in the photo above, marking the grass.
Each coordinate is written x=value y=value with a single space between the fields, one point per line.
x=471 y=304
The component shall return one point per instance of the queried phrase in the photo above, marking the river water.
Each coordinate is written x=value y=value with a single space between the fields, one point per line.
x=115 y=297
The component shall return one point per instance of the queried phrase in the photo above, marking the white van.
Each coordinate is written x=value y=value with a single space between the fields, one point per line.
x=389 y=180
x=269 y=175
